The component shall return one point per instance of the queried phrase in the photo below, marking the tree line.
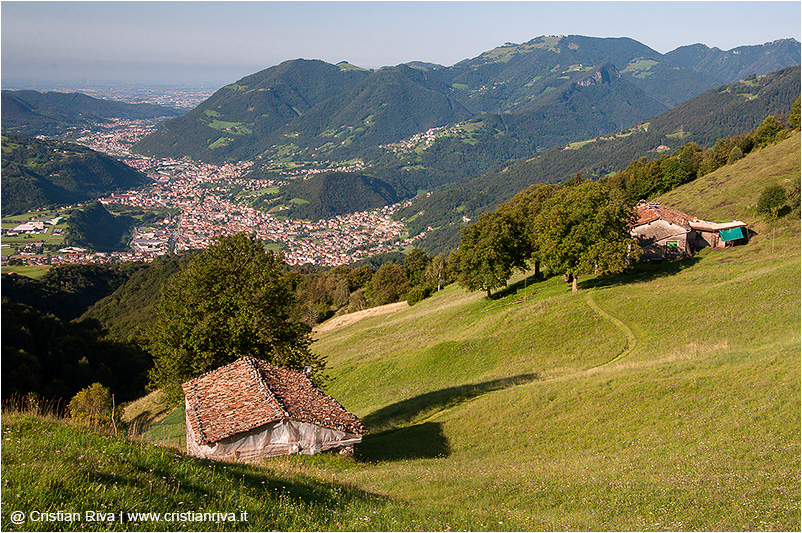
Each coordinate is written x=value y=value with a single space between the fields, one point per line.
x=576 y=229
x=582 y=227
x=644 y=179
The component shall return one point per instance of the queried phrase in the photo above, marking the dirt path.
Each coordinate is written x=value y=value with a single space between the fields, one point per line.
x=345 y=320
x=632 y=341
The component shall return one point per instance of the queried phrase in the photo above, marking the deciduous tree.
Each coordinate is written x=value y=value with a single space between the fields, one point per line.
x=585 y=229
x=489 y=250
x=230 y=301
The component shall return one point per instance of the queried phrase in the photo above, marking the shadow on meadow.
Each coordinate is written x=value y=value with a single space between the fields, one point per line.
x=529 y=285
x=393 y=438
x=642 y=272
x=421 y=441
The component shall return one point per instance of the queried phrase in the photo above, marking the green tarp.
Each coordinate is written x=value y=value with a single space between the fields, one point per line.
x=732 y=234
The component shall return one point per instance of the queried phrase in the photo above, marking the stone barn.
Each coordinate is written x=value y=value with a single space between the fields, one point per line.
x=663 y=232
x=251 y=409
x=666 y=233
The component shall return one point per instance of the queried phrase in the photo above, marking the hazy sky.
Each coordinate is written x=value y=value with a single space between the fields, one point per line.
x=220 y=42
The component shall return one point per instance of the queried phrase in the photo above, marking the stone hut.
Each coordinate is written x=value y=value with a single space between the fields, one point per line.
x=251 y=409
x=663 y=232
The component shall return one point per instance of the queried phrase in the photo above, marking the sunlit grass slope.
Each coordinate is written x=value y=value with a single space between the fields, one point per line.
x=508 y=412
x=51 y=466
x=664 y=399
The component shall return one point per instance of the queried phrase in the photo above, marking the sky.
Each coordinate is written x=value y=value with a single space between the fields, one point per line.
x=220 y=42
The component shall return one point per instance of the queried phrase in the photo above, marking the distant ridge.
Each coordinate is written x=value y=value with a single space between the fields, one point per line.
x=51 y=113
x=722 y=112
x=740 y=62
x=323 y=111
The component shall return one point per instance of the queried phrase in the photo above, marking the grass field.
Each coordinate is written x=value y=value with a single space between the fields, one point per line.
x=696 y=428
x=662 y=399
x=33 y=271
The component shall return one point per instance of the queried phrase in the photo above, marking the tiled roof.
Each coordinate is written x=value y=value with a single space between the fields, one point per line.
x=250 y=392
x=649 y=212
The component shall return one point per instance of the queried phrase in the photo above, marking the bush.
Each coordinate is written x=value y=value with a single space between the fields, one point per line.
x=92 y=406
x=735 y=154
x=772 y=199
x=416 y=294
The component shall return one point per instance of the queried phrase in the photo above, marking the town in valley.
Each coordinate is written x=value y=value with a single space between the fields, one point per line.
x=204 y=201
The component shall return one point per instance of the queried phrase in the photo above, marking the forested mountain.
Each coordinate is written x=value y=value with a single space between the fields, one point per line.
x=336 y=193
x=314 y=110
x=38 y=174
x=242 y=116
x=52 y=113
x=738 y=63
x=728 y=110
x=93 y=227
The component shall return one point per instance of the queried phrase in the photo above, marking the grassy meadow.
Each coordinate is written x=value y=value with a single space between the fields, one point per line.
x=662 y=399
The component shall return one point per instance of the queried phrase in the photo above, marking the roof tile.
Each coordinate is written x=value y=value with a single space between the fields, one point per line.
x=250 y=392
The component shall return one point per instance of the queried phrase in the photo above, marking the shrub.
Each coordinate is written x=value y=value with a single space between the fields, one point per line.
x=735 y=154
x=92 y=406
x=772 y=199
x=416 y=294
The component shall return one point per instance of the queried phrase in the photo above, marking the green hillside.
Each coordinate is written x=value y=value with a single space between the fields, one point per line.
x=722 y=112
x=38 y=174
x=663 y=399
x=531 y=415
x=336 y=193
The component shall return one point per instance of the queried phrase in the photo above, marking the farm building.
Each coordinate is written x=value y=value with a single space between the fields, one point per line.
x=720 y=235
x=251 y=409
x=663 y=232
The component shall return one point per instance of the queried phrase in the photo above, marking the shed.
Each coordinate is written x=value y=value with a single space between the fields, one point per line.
x=719 y=235
x=251 y=409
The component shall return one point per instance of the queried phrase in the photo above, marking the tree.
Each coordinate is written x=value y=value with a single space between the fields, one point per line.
x=735 y=155
x=766 y=133
x=389 y=284
x=772 y=199
x=437 y=271
x=524 y=207
x=490 y=249
x=415 y=264
x=230 y=301
x=585 y=229
x=794 y=115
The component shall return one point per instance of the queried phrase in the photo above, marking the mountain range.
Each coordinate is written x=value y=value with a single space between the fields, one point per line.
x=560 y=87
x=53 y=113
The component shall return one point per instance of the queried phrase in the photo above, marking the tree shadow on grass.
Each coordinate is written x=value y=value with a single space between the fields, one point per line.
x=641 y=272
x=421 y=441
x=393 y=438
x=529 y=283
x=406 y=411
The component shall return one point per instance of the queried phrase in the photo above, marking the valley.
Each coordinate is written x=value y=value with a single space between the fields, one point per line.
x=665 y=398
x=460 y=274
